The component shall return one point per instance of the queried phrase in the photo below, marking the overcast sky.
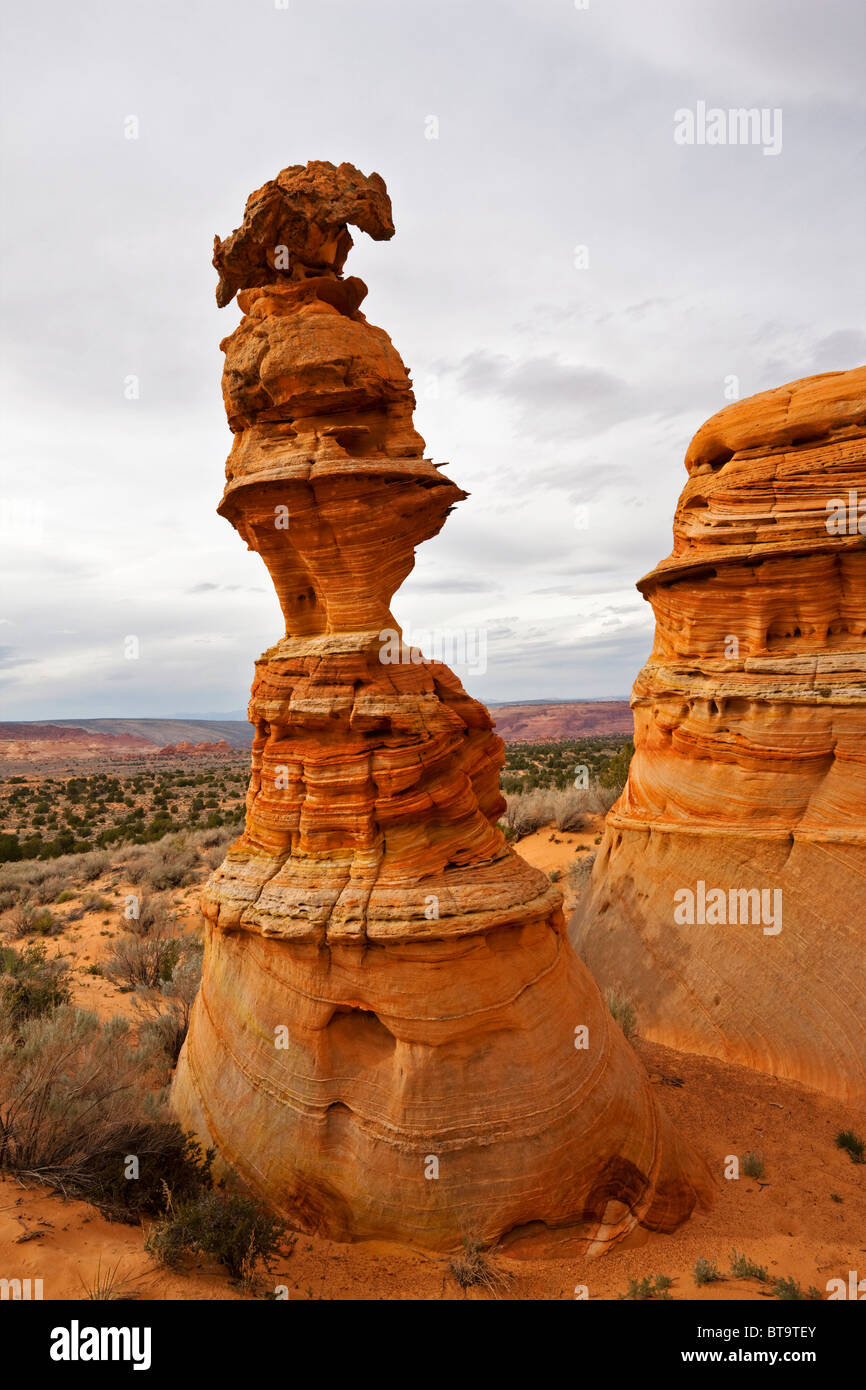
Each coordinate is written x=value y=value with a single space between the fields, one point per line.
x=561 y=395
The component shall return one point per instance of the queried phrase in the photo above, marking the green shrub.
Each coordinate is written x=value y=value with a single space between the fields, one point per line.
x=227 y=1227
x=615 y=772
x=705 y=1272
x=743 y=1268
x=652 y=1287
x=789 y=1290
x=753 y=1165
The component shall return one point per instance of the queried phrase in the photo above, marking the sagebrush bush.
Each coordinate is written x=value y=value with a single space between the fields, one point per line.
x=93 y=865
x=622 y=1009
x=144 y=962
x=167 y=1011
x=31 y=985
x=27 y=919
x=567 y=808
x=76 y=1103
x=151 y=915
x=224 y=1226
x=166 y=863
x=49 y=889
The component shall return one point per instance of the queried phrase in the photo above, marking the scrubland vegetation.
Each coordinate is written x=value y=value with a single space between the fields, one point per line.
x=46 y=819
x=83 y=1102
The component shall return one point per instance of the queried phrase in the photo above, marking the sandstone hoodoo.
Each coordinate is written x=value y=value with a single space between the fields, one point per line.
x=729 y=894
x=393 y=1036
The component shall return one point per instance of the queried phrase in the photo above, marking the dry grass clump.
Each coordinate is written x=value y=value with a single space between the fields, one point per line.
x=622 y=1010
x=473 y=1268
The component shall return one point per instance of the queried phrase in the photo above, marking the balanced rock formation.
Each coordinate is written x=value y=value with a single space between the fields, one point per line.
x=728 y=897
x=393 y=1036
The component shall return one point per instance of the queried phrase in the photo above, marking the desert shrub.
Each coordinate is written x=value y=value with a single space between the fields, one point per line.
x=95 y=902
x=744 y=1268
x=153 y=916
x=789 y=1290
x=92 y=865
x=166 y=1012
x=615 y=772
x=26 y=919
x=705 y=1272
x=76 y=1104
x=655 y=1286
x=853 y=1145
x=526 y=812
x=227 y=1227
x=167 y=863
x=569 y=808
x=27 y=874
x=144 y=962
x=49 y=889
x=753 y=1165
x=473 y=1267
x=8 y=898
x=30 y=985
x=215 y=837
x=622 y=1009
x=211 y=858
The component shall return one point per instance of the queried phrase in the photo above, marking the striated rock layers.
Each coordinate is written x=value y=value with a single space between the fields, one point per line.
x=393 y=1036
x=729 y=894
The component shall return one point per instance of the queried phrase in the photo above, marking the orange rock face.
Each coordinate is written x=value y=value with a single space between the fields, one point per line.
x=729 y=894
x=393 y=1036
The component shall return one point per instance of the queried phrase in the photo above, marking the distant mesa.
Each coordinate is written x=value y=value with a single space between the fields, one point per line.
x=117 y=740
x=538 y=722
x=129 y=740
x=729 y=893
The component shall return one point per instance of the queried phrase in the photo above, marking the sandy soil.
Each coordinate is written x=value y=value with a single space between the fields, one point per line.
x=788 y=1222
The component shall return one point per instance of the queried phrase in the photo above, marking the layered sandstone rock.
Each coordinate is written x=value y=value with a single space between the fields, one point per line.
x=389 y=1036
x=749 y=774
